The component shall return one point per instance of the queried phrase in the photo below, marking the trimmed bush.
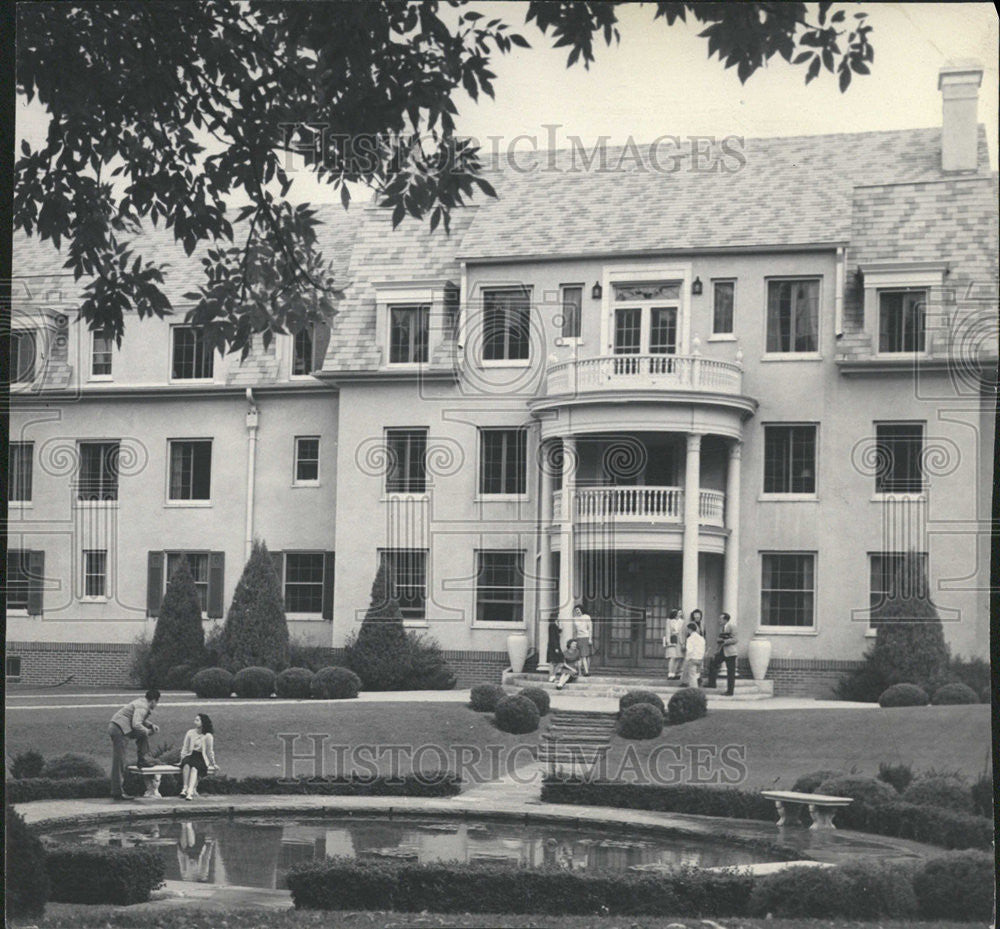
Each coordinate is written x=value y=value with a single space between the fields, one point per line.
x=953 y=694
x=897 y=776
x=903 y=695
x=294 y=683
x=27 y=883
x=516 y=714
x=212 y=682
x=88 y=874
x=483 y=698
x=67 y=766
x=379 y=653
x=924 y=824
x=866 y=792
x=640 y=721
x=179 y=637
x=27 y=764
x=254 y=682
x=640 y=696
x=982 y=794
x=539 y=697
x=687 y=704
x=334 y=683
x=179 y=677
x=428 y=669
x=808 y=783
x=947 y=793
x=957 y=886
x=303 y=655
x=974 y=673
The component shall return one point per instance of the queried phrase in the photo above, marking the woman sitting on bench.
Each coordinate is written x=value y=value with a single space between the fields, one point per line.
x=197 y=755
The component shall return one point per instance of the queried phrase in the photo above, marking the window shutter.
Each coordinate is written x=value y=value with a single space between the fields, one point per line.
x=154 y=583
x=36 y=578
x=216 y=583
x=328 y=566
x=278 y=559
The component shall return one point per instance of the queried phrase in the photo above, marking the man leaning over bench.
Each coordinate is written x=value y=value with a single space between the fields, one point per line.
x=131 y=722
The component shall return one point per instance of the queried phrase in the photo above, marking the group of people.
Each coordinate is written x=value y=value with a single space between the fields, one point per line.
x=570 y=647
x=685 y=647
x=132 y=723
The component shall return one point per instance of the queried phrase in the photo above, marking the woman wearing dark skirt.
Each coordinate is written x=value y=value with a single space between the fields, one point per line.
x=197 y=755
x=554 y=652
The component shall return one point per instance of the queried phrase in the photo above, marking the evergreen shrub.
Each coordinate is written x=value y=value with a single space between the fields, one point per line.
x=179 y=637
x=483 y=698
x=256 y=632
x=254 y=682
x=640 y=721
x=903 y=695
x=640 y=696
x=516 y=714
x=686 y=704
x=334 y=683
x=954 y=694
x=27 y=882
x=212 y=682
x=294 y=683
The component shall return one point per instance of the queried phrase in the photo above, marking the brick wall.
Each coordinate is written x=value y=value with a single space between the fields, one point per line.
x=800 y=677
x=88 y=663
x=473 y=668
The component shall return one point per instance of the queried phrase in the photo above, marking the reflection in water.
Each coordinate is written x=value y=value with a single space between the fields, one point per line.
x=258 y=852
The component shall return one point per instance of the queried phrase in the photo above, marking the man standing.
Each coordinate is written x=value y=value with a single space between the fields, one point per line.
x=695 y=651
x=131 y=722
x=726 y=653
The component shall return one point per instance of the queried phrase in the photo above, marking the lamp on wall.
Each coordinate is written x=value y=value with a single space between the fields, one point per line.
x=696 y=287
x=597 y=291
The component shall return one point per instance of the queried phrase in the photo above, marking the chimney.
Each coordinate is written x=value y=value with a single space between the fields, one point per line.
x=959 y=83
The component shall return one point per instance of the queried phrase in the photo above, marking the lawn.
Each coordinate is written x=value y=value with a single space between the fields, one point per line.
x=779 y=745
x=378 y=736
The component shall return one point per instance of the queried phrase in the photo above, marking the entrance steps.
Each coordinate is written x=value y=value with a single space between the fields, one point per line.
x=608 y=684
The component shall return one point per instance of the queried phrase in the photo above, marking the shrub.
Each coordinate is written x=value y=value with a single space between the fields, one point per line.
x=179 y=677
x=640 y=721
x=516 y=714
x=539 y=697
x=958 y=886
x=166 y=753
x=380 y=652
x=858 y=890
x=687 y=704
x=66 y=766
x=982 y=794
x=179 y=637
x=87 y=874
x=212 y=682
x=27 y=764
x=303 y=655
x=295 y=683
x=865 y=791
x=254 y=682
x=484 y=697
x=428 y=669
x=973 y=672
x=213 y=647
x=903 y=695
x=334 y=684
x=947 y=793
x=27 y=884
x=640 y=696
x=256 y=632
x=808 y=783
x=897 y=776
x=140 y=670
x=953 y=694
x=925 y=824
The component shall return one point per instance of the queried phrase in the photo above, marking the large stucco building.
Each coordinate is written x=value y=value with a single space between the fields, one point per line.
x=744 y=378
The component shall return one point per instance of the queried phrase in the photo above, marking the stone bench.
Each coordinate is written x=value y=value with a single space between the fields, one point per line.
x=821 y=806
x=152 y=775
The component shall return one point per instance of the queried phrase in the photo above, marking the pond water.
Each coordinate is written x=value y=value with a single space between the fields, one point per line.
x=257 y=852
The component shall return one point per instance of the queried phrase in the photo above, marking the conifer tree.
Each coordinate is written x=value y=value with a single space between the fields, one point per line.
x=179 y=637
x=379 y=654
x=256 y=631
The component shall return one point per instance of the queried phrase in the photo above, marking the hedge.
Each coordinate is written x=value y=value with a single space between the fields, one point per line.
x=97 y=874
x=27 y=883
x=334 y=683
x=640 y=721
x=516 y=714
x=903 y=695
x=450 y=887
x=427 y=784
x=483 y=698
x=254 y=682
x=956 y=886
x=294 y=683
x=212 y=682
x=70 y=766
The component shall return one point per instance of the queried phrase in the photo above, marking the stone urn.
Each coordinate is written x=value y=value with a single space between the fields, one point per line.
x=759 y=654
x=517 y=651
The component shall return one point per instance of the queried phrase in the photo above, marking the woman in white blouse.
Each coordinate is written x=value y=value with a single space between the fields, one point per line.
x=197 y=755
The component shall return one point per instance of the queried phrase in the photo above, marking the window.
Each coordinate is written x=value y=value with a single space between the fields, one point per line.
x=302 y=355
x=198 y=565
x=793 y=316
x=406 y=471
x=663 y=330
x=723 y=294
x=898 y=453
x=407 y=569
x=787 y=589
x=304 y=582
x=500 y=587
x=190 y=469
x=789 y=459
x=98 y=471
x=12 y=669
x=100 y=355
x=901 y=320
x=886 y=569
x=307 y=459
x=502 y=461
x=20 y=474
x=572 y=307
x=95 y=573
x=25 y=577
x=408 y=334
x=506 y=324
x=193 y=357
x=22 y=356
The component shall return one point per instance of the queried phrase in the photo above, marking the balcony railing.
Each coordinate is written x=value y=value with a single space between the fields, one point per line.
x=645 y=372
x=640 y=504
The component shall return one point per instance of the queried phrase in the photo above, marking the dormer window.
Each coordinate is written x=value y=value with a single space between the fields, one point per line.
x=193 y=359
x=902 y=320
x=408 y=327
x=303 y=352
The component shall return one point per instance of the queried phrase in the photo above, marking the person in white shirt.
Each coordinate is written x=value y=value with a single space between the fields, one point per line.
x=583 y=631
x=197 y=755
x=674 y=650
x=727 y=649
x=695 y=652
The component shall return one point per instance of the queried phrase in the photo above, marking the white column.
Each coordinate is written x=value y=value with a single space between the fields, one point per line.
x=692 y=490
x=567 y=561
x=544 y=597
x=731 y=578
x=251 y=464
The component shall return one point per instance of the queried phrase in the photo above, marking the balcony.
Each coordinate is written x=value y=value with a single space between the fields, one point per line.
x=645 y=373
x=657 y=505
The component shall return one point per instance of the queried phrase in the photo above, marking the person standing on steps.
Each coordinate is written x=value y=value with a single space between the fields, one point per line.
x=672 y=645
x=693 y=654
x=727 y=648
x=583 y=631
x=131 y=722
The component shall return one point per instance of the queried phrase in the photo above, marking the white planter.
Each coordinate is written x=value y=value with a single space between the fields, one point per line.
x=759 y=653
x=517 y=651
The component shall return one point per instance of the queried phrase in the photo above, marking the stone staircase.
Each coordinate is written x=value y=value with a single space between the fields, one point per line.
x=615 y=684
x=575 y=741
